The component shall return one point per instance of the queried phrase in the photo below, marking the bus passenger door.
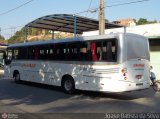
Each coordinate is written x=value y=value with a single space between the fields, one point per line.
x=7 y=61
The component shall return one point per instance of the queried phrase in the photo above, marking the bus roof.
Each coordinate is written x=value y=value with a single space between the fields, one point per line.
x=84 y=38
x=66 y=40
x=43 y=42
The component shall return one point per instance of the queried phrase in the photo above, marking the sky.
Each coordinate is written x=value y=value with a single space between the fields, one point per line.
x=12 y=21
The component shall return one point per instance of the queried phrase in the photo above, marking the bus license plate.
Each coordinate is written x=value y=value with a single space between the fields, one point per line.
x=139 y=84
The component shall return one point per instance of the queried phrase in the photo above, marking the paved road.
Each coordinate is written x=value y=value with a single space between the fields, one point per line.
x=35 y=98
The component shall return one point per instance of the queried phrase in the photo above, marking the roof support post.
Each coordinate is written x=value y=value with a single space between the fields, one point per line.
x=125 y=29
x=75 y=25
x=52 y=34
x=25 y=33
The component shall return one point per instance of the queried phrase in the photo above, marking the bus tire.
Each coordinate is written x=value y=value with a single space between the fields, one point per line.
x=16 y=77
x=68 y=84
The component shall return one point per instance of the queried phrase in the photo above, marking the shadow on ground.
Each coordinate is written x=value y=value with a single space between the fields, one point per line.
x=82 y=101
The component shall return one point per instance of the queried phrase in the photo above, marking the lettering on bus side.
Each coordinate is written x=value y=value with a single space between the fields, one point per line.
x=29 y=65
x=138 y=65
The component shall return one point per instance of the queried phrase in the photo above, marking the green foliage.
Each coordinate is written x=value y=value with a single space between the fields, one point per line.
x=142 y=21
x=34 y=35
x=106 y=20
x=19 y=35
x=2 y=38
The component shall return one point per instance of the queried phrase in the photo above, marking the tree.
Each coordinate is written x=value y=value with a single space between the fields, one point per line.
x=142 y=21
x=1 y=37
x=2 y=40
x=106 y=20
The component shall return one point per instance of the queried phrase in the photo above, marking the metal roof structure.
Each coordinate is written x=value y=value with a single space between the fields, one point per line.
x=68 y=23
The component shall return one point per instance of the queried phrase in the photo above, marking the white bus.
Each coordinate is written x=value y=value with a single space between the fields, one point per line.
x=109 y=63
x=2 y=51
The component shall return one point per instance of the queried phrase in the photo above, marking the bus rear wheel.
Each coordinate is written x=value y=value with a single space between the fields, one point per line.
x=68 y=85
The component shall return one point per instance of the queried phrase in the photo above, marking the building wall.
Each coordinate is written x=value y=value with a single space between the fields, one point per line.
x=149 y=30
x=155 y=55
x=125 y=22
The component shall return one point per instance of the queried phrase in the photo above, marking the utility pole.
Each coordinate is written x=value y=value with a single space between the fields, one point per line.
x=101 y=18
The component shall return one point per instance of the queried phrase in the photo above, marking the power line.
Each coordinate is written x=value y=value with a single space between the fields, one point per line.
x=11 y=28
x=114 y=5
x=6 y=12
x=89 y=10
x=89 y=6
x=127 y=3
x=118 y=1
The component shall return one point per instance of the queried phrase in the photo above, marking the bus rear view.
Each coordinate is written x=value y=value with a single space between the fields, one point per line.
x=135 y=62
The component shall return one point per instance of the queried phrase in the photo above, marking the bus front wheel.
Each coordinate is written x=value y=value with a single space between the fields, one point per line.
x=17 y=77
x=68 y=84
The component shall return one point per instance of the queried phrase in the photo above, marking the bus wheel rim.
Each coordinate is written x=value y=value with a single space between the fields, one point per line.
x=68 y=85
x=17 y=77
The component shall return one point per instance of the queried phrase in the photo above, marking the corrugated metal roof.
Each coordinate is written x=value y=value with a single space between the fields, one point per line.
x=65 y=23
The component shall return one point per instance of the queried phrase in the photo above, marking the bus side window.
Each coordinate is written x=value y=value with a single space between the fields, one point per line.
x=15 y=53
x=114 y=51
x=72 y=51
x=62 y=51
x=94 y=51
x=55 y=52
x=88 y=56
x=68 y=52
x=104 y=51
x=9 y=55
x=59 y=51
x=51 y=52
x=99 y=50
x=23 y=53
x=31 y=52
x=109 y=51
x=36 y=53
x=83 y=52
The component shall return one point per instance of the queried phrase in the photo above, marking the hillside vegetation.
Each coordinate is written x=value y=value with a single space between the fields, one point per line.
x=36 y=35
